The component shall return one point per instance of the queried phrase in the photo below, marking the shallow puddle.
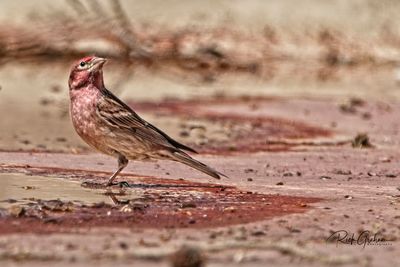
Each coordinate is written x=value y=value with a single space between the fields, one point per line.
x=25 y=189
x=57 y=204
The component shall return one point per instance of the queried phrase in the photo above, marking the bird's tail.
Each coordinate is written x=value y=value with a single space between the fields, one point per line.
x=186 y=159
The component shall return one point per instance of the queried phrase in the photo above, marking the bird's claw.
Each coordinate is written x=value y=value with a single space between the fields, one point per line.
x=124 y=184
x=120 y=184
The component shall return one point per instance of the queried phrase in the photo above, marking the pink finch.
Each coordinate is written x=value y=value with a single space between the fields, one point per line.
x=109 y=125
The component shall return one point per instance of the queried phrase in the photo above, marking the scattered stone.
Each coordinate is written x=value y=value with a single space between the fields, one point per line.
x=184 y=133
x=279 y=183
x=231 y=148
x=342 y=172
x=71 y=246
x=324 y=177
x=231 y=209
x=385 y=159
x=126 y=208
x=56 y=205
x=149 y=244
x=61 y=139
x=348 y=197
x=123 y=245
x=138 y=205
x=55 y=89
x=294 y=230
x=10 y=200
x=197 y=127
x=366 y=116
x=248 y=170
x=28 y=187
x=16 y=210
x=357 y=102
x=187 y=257
x=45 y=101
x=347 y=108
x=288 y=174
x=25 y=142
x=371 y=174
x=351 y=105
x=187 y=205
x=361 y=141
x=213 y=235
x=258 y=233
x=249 y=179
x=51 y=220
x=391 y=175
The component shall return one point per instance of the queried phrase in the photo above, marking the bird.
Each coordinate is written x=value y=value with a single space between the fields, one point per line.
x=110 y=126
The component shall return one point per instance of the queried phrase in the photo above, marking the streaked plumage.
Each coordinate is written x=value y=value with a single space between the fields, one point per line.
x=112 y=127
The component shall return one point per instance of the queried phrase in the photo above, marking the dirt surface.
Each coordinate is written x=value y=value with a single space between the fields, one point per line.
x=298 y=106
x=327 y=184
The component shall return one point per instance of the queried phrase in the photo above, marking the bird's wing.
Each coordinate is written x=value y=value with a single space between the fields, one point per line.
x=117 y=114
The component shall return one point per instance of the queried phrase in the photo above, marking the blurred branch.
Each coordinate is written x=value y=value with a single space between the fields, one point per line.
x=104 y=28
x=125 y=31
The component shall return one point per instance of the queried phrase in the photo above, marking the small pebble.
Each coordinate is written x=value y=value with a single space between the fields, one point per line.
x=187 y=257
x=323 y=177
x=287 y=174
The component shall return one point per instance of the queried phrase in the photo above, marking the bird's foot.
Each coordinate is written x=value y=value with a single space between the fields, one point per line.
x=120 y=184
x=124 y=184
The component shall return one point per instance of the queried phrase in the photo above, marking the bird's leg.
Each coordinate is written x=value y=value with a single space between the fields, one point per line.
x=122 y=163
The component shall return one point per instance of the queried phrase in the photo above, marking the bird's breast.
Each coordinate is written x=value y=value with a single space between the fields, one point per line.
x=84 y=117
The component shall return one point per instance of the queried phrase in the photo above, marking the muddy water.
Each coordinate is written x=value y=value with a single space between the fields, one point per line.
x=23 y=189
x=154 y=203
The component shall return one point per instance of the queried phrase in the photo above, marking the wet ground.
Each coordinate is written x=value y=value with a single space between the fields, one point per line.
x=295 y=179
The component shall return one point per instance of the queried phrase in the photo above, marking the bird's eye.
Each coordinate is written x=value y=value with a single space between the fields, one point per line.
x=82 y=64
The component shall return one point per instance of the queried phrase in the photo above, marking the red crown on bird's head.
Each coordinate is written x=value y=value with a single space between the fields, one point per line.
x=86 y=59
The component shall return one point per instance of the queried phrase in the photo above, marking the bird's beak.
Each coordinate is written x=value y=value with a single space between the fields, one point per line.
x=97 y=63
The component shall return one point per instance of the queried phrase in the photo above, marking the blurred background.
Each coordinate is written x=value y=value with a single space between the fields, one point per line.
x=173 y=49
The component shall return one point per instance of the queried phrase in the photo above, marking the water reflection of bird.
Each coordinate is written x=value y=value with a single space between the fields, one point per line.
x=113 y=128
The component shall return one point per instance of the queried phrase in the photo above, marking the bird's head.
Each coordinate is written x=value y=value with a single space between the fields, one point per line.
x=88 y=70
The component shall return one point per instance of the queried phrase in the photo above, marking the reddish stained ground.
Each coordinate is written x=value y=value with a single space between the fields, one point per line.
x=240 y=141
x=217 y=207
x=161 y=204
